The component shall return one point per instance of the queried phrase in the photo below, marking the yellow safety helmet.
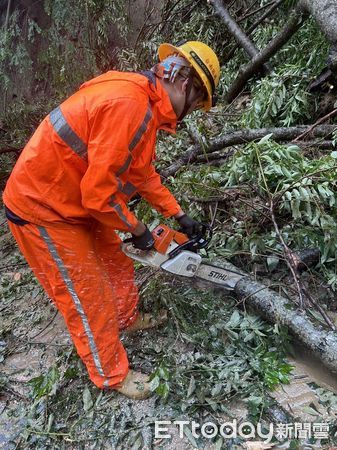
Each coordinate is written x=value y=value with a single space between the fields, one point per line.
x=203 y=60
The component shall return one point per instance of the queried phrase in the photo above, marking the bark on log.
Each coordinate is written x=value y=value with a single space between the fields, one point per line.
x=246 y=72
x=325 y=14
x=253 y=27
x=306 y=258
x=282 y=134
x=276 y=309
x=241 y=38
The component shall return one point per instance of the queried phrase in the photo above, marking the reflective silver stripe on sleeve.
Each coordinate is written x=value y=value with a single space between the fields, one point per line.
x=135 y=140
x=119 y=184
x=65 y=276
x=141 y=130
x=128 y=188
x=117 y=207
x=66 y=133
x=125 y=166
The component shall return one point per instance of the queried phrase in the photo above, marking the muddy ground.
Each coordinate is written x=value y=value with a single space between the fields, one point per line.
x=47 y=400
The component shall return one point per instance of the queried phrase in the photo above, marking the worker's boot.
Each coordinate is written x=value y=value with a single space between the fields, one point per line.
x=136 y=386
x=145 y=321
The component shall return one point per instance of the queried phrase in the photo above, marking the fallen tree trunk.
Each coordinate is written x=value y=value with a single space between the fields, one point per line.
x=241 y=38
x=282 y=134
x=276 y=309
x=246 y=72
x=325 y=14
x=277 y=3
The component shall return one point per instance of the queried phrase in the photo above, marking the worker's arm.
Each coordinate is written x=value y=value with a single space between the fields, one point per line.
x=155 y=193
x=112 y=128
x=161 y=199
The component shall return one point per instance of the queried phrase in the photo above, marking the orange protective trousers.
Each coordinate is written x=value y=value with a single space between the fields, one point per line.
x=91 y=281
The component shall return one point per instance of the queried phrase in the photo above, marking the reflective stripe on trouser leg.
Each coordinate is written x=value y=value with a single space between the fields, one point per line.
x=64 y=273
x=82 y=274
x=121 y=273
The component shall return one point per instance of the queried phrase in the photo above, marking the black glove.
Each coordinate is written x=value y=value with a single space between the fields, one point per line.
x=189 y=226
x=144 y=242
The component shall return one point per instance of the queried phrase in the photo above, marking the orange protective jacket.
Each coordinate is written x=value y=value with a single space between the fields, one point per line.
x=93 y=153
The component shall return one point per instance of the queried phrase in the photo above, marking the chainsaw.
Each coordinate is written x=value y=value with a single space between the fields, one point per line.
x=175 y=253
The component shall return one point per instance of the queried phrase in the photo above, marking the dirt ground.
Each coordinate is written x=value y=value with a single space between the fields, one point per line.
x=46 y=400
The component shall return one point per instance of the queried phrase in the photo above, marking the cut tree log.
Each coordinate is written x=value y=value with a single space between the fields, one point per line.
x=277 y=309
x=245 y=136
x=306 y=258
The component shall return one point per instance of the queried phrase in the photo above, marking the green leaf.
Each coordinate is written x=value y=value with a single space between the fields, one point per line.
x=87 y=399
x=163 y=390
x=191 y=387
x=154 y=383
x=234 y=320
x=216 y=390
x=272 y=262
x=265 y=138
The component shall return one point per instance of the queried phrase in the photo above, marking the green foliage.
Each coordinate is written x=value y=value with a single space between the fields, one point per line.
x=74 y=46
x=45 y=384
x=281 y=99
x=301 y=188
x=160 y=381
x=231 y=354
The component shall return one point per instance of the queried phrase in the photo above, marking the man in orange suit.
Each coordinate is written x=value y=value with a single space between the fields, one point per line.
x=69 y=190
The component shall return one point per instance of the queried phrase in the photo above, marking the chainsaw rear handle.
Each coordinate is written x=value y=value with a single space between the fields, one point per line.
x=197 y=242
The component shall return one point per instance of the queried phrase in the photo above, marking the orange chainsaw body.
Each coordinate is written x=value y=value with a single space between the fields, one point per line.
x=164 y=235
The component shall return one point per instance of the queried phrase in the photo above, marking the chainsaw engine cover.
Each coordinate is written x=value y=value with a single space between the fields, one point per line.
x=185 y=264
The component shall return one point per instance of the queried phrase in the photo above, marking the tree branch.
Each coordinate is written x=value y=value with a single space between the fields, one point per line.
x=283 y=134
x=241 y=38
x=254 y=26
x=246 y=72
x=321 y=120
